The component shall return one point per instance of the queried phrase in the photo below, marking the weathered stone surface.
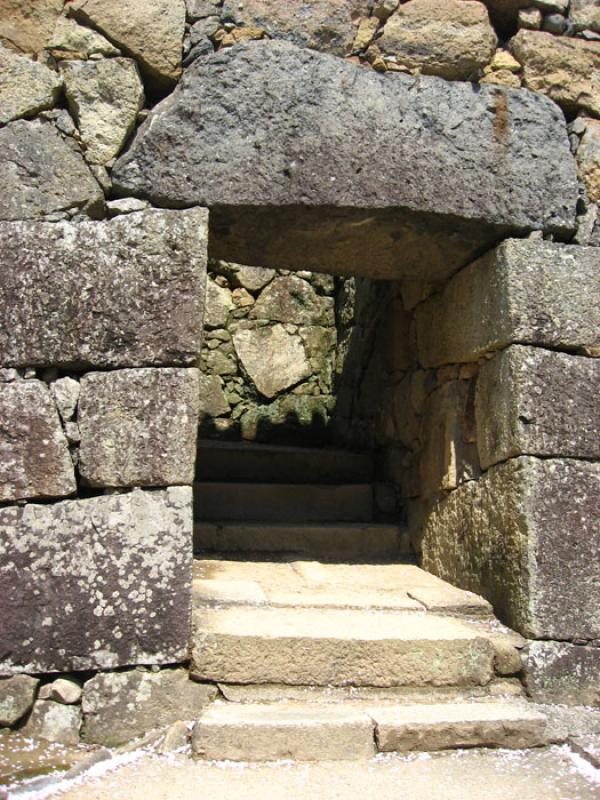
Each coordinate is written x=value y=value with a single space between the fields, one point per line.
x=585 y=15
x=17 y=695
x=118 y=706
x=104 y=97
x=327 y=25
x=441 y=726
x=342 y=647
x=65 y=392
x=524 y=536
x=530 y=292
x=532 y=401
x=251 y=278
x=62 y=690
x=34 y=454
x=273 y=358
x=218 y=305
x=70 y=40
x=138 y=427
x=449 y=38
x=151 y=31
x=359 y=164
x=588 y=159
x=40 y=174
x=25 y=25
x=289 y=299
x=274 y=731
x=504 y=14
x=587 y=747
x=25 y=86
x=127 y=292
x=448 y=457
x=560 y=672
x=107 y=584
x=566 y=69
x=54 y=722
x=212 y=402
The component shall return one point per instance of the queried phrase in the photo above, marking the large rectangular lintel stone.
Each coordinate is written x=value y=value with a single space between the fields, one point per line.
x=123 y=292
x=97 y=583
x=525 y=536
x=524 y=291
x=338 y=168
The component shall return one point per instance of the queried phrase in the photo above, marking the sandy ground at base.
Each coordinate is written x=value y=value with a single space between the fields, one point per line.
x=549 y=774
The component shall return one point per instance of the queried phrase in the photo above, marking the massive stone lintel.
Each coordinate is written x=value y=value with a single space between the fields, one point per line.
x=97 y=583
x=527 y=292
x=307 y=161
x=533 y=401
x=525 y=536
x=127 y=292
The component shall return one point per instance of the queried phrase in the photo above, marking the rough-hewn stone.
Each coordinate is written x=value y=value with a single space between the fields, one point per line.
x=151 y=31
x=34 y=454
x=585 y=15
x=104 y=97
x=273 y=358
x=40 y=174
x=218 y=305
x=127 y=292
x=289 y=299
x=360 y=173
x=327 y=25
x=138 y=427
x=560 y=672
x=25 y=86
x=65 y=392
x=70 y=40
x=25 y=25
x=213 y=402
x=449 y=38
x=62 y=690
x=448 y=457
x=532 y=401
x=54 y=722
x=17 y=695
x=524 y=536
x=564 y=68
x=531 y=292
x=96 y=583
x=251 y=278
x=588 y=159
x=118 y=706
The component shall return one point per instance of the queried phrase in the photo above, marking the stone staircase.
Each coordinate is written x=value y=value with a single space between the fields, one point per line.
x=325 y=640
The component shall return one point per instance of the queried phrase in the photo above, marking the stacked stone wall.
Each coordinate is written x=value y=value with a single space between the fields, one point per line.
x=388 y=140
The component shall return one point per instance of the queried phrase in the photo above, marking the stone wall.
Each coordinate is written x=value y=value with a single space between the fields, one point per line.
x=487 y=430
x=269 y=355
x=397 y=141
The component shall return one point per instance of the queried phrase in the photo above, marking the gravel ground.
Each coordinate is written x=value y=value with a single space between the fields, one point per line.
x=548 y=774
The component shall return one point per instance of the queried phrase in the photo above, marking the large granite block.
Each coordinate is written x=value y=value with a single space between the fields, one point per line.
x=41 y=174
x=138 y=427
x=126 y=292
x=561 y=672
x=525 y=291
x=97 y=583
x=525 y=536
x=338 y=168
x=531 y=401
x=34 y=453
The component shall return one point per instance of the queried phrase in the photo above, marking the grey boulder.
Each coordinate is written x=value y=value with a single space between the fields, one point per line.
x=338 y=168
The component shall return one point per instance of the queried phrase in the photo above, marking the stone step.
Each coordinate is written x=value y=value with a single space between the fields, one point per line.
x=273 y=502
x=359 y=541
x=312 y=731
x=247 y=461
x=337 y=647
